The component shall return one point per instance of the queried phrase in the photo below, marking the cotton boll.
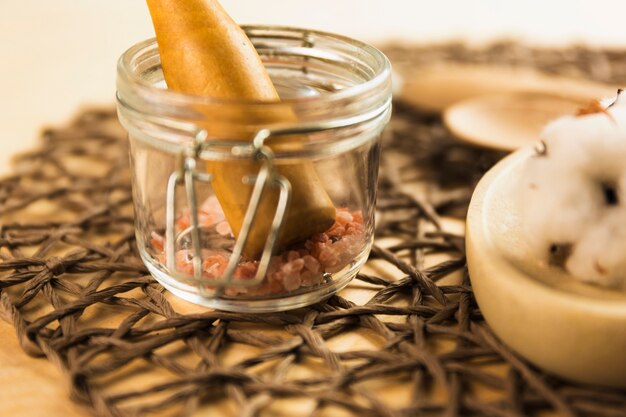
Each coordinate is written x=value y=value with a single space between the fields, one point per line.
x=621 y=188
x=574 y=194
x=605 y=143
x=618 y=112
x=600 y=256
x=558 y=203
x=592 y=143
x=562 y=146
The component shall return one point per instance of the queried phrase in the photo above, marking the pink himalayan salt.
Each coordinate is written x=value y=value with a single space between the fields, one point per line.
x=157 y=242
x=209 y=214
x=302 y=266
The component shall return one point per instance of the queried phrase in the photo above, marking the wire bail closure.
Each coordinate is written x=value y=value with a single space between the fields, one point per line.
x=188 y=175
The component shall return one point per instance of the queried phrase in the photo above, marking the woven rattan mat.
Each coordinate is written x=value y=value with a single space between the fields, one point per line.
x=405 y=339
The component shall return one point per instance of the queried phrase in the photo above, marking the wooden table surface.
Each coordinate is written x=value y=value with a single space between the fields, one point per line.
x=28 y=384
x=58 y=55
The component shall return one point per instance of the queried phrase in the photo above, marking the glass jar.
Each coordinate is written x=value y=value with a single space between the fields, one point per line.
x=186 y=163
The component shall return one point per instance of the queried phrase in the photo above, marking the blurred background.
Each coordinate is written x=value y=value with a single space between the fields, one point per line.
x=57 y=55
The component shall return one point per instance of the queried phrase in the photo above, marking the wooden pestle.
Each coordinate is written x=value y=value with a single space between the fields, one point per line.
x=205 y=53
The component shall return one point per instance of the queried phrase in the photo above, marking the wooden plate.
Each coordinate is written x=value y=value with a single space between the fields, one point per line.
x=435 y=88
x=507 y=121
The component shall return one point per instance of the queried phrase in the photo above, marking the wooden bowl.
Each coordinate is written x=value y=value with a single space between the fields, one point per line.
x=571 y=329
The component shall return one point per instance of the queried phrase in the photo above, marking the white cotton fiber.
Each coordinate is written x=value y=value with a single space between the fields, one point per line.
x=574 y=194
x=600 y=255
x=548 y=189
x=589 y=144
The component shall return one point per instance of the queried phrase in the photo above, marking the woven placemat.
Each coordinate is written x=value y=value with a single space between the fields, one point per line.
x=405 y=339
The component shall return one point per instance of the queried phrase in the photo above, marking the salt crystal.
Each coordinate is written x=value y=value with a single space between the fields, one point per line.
x=343 y=217
x=311 y=263
x=223 y=229
x=303 y=266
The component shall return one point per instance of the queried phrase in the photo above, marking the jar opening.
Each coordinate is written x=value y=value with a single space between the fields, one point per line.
x=328 y=81
x=140 y=64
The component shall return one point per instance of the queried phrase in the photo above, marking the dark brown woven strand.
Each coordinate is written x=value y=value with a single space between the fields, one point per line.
x=74 y=288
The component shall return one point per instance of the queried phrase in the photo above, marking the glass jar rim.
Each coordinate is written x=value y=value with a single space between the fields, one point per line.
x=128 y=77
x=175 y=119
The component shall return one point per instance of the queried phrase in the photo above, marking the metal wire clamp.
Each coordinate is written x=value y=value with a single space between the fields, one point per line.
x=188 y=175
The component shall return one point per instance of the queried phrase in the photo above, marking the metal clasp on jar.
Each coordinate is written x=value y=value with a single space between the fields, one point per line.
x=187 y=174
